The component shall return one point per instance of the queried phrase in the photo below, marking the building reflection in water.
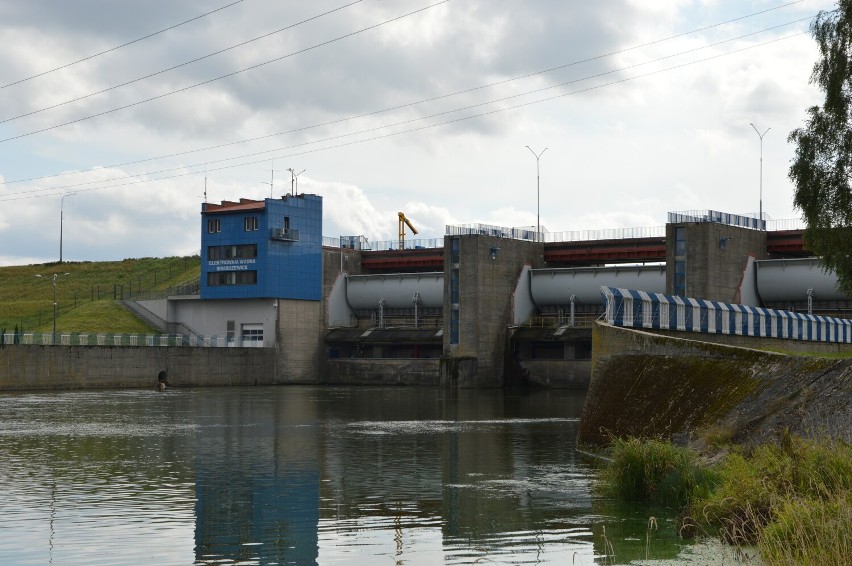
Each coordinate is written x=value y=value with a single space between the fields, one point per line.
x=306 y=475
x=257 y=488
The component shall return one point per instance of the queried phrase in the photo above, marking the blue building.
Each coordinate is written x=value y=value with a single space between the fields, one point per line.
x=269 y=248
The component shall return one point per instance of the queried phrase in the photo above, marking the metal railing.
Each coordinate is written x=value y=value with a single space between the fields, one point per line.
x=740 y=220
x=82 y=339
x=408 y=244
x=607 y=234
x=785 y=224
x=528 y=233
x=524 y=233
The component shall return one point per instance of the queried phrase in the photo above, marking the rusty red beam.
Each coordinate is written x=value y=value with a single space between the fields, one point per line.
x=401 y=259
x=635 y=249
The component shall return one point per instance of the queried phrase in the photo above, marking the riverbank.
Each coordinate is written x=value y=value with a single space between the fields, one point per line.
x=792 y=500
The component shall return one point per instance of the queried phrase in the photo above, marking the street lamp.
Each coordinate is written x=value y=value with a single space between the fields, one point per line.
x=294 y=179
x=538 y=193
x=762 y=226
x=61 y=214
x=55 y=276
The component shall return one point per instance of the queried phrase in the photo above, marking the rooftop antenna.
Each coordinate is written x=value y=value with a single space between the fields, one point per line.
x=271 y=182
x=205 y=188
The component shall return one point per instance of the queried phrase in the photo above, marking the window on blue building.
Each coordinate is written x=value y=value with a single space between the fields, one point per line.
x=214 y=226
x=229 y=252
x=223 y=278
x=250 y=223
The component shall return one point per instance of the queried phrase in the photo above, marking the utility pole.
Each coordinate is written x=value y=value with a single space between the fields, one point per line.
x=761 y=225
x=538 y=193
x=61 y=217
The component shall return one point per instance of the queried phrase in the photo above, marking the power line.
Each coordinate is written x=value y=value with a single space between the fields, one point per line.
x=138 y=79
x=137 y=40
x=435 y=98
x=252 y=67
x=410 y=130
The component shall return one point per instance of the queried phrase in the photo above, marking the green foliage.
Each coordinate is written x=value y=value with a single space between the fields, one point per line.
x=85 y=297
x=793 y=500
x=790 y=500
x=657 y=472
x=822 y=165
x=810 y=531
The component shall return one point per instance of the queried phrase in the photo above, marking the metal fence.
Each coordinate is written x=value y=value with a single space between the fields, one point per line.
x=640 y=309
x=75 y=339
x=606 y=234
x=524 y=233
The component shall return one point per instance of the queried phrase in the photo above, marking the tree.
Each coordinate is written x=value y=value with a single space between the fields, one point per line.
x=822 y=164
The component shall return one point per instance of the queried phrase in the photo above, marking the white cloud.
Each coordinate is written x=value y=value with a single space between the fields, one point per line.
x=622 y=154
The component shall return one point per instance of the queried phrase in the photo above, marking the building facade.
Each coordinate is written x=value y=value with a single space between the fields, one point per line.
x=268 y=248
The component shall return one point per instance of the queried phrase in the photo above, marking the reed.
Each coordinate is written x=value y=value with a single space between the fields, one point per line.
x=657 y=472
x=792 y=500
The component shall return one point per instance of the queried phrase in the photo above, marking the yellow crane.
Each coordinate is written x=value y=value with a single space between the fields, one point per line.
x=403 y=221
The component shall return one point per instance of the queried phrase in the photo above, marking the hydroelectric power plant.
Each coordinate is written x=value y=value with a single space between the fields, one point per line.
x=486 y=306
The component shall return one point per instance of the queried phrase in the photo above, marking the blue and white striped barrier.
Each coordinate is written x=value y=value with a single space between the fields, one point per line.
x=640 y=309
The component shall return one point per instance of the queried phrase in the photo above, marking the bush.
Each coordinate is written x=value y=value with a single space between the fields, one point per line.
x=810 y=531
x=793 y=500
x=656 y=472
x=753 y=489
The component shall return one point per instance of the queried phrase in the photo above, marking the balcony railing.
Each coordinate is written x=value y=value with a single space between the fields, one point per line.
x=285 y=234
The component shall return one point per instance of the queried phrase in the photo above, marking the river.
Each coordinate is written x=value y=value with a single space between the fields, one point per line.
x=311 y=475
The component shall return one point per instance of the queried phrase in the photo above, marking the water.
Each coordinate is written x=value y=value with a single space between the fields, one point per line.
x=307 y=475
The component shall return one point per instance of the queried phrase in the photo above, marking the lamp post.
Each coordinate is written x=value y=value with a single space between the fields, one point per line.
x=538 y=193
x=61 y=215
x=294 y=180
x=760 y=219
x=55 y=277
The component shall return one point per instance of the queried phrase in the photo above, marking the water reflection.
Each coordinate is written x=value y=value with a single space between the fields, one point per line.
x=303 y=475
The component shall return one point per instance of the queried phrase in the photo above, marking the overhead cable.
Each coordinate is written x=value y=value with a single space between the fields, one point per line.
x=58 y=190
x=243 y=70
x=111 y=49
x=427 y=100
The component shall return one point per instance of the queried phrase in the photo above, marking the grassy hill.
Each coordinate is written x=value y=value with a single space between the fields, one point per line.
x=88 y=296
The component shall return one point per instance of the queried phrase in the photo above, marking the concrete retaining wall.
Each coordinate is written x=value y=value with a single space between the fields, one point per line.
x=649 y=385
x=102 y=367
x=557 y=374
x=384 y=372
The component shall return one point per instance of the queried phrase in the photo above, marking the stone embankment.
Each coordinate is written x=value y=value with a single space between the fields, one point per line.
x=652 y=385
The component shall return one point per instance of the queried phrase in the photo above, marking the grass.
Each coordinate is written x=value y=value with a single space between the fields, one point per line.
x=792 y=500
x=657 y=472
x=87 y=298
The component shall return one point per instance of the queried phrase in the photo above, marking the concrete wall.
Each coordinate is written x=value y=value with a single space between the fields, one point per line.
x=712 y=272
x=384 y=372
x=102 y=367
x=557 y=374
x=781 y=345
x=485 y=308
x=301 y=352
x=302 y=324
x=209 y=317
x=649 y=385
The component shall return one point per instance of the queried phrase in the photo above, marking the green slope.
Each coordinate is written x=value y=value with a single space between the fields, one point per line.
x=88 y=296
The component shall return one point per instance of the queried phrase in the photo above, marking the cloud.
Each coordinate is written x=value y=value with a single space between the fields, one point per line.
x=625 y=153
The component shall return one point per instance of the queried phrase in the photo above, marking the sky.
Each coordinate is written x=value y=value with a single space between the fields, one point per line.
x=118 y=119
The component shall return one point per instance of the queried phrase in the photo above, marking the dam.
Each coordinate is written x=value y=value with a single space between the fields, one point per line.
x=486 y=306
